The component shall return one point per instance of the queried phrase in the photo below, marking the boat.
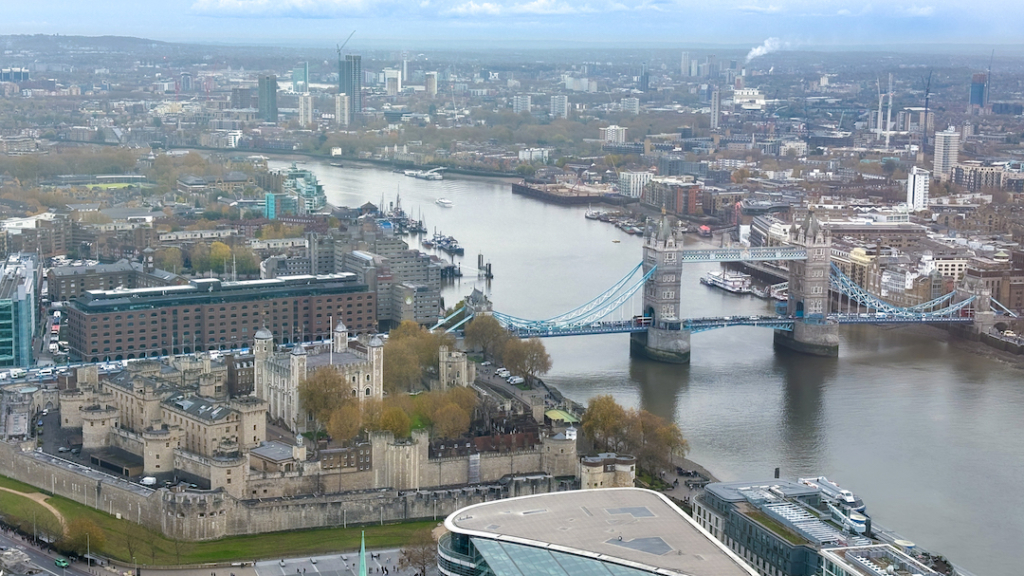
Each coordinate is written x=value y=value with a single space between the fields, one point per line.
x=734 y=282
x=616 y=241
x=433 y=174
x=337 y=164
x=845 y=499
x=444 y=203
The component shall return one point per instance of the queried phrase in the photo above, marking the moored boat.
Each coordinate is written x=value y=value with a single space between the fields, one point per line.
x=734 y=282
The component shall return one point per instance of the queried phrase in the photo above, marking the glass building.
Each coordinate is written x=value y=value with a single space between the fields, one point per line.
x=19 y=291
x=607 y=532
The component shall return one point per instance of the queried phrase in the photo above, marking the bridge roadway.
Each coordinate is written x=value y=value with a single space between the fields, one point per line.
x=695 y=325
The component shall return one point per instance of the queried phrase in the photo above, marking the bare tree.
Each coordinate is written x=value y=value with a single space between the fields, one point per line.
x=420 y=554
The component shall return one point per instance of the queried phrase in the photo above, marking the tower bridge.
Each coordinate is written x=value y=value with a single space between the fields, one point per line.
x=809 y=325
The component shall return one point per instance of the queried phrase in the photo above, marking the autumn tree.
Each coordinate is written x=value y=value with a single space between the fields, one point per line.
x=420 y=554
x=604 y=421
x=396 y=421
x=345 y=422
x=451 y=421
x=321 y=394
x=220 y=256
x=169 y=259
x=487 y=333
x=528 y=358
x=82 y=536
x=402 y=370
x=653 y=440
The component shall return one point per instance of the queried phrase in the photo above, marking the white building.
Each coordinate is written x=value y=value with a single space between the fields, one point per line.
x=716 y=108
x=534 y=154
x=631 y=105
x=613 y=134
x=748 y=99
x=947 y=152
x=392 y=81
x=305 y=110
x=559 y=106
x=341 y=112
x=632 y=183
x=521 y=103
x=917 y=188
x=431 y=83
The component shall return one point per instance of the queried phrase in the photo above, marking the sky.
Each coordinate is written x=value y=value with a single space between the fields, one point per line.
x=796 y=23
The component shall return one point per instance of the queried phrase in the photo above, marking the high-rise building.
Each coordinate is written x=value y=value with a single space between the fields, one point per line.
x=19 y=298
x=716 y=105
x=241 y=98
x=300 y=78
x=917 y=188
x=559 y=106
x=392 y=81
x=431 y=83
x=632 y=184
x=631 y=105
x=521 y=103
x=305 y=110
x=978 y=88
x=268 y=98
x=947 y=152
x=613 y=134
x=644 y=80
x=684 y=66
x=350 y=81
x=186 y=82
x=341 y=113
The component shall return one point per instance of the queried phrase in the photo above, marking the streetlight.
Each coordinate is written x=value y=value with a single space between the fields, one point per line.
x=136 y=562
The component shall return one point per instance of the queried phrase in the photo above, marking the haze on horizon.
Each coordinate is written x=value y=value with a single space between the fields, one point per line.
x=797 y=23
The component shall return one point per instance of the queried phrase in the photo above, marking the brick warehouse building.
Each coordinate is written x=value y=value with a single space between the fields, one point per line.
x=210 y=314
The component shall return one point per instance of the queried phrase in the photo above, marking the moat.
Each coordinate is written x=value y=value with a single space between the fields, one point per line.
x=925 y=429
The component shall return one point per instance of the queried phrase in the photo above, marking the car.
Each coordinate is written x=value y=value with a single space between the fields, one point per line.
x=63 y=449
x=61 y=563
x=312 y=560
x=282 y=562
x=485 y=363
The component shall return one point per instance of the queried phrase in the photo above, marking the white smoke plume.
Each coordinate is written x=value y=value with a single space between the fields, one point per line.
x=770 y=45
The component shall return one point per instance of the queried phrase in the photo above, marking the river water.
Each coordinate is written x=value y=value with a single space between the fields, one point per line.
x=929 y=433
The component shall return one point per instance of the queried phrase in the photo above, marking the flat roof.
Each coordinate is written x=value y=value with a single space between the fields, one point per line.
x=627 y=526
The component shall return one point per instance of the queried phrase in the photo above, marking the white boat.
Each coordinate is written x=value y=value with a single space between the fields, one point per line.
x=434 y=174
x=735 y=282
x=444 y=202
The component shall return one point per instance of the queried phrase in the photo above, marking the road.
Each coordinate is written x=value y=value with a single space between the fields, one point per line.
x=45 y=559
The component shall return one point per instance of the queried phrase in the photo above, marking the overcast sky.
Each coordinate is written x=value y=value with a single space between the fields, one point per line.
x=806 y=23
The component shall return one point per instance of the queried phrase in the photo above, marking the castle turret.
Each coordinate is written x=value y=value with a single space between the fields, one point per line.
x=375 y=354
x=340 y=337
x=262 y=348
x=664 y=340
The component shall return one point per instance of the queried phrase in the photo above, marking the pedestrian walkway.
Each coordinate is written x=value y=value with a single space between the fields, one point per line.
x=40 y=498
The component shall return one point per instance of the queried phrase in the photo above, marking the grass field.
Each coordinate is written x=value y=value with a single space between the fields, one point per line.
x=125 y=539
x=21 y=512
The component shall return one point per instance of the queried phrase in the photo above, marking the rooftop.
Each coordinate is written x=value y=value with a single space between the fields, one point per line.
x=631 y=527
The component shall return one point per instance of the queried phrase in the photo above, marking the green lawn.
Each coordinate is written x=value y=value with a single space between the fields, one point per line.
x=21 y=512
x=15 y=485
x=152 y=548
x=776 y=527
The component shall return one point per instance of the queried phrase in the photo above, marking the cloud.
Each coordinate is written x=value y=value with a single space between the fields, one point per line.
x=547 y=7
x=295 y=8
x=770 y=9
x=471 y=8
x=915 y=10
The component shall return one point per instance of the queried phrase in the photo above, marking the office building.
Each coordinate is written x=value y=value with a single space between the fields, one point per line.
x=632 y=184
x=684 y=65
x=268 y=98
x=979 y=89
x=716 y=105
x=431 y=83
x=341 y=110
x=613 y=134
x=68 y=282
x=630 y=105
x=947 y=152
x=620 y=531
x=241 y=98
x=521 y=103
x=350 y=82
x=917 y=188
x=300 y=78
x=210 y=314
x=19 y=297
x=305 y=110
x=392 y=81
x=644 y=79
x=559 y=106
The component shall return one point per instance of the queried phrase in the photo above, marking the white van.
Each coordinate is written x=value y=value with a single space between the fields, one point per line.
x=516 y=380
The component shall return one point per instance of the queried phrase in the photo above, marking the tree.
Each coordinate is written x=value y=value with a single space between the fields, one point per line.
x=345 y=422
x=451 y=421
x=487 y=333
x=604 y=421
x=653 y=440
x=528 y=358
x=82 y=536
x=220 y=255
x=420 y=554
x=169 y=259
x=402 y=370
x=321 y=395
x=396 y=421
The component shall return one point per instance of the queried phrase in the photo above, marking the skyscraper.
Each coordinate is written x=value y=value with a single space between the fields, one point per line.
x=521 y=103
x=300 y=78
x=341 y=113
x=431 y=83
x=631 y=105
x=644 y=80
x=268 y=98
x=716 y=104
x=559 y=106
x=917 y=188
x=305 y=110
x=392 y=81
x=684 y=66
x=241 y=98
x=947 y=151
x=350 y=81
x=978 y=82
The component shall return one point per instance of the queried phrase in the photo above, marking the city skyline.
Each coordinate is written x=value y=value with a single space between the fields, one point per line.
x=793 y=23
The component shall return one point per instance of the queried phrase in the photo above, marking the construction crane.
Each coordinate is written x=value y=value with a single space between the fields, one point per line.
x=342 y=45
x=924 y=130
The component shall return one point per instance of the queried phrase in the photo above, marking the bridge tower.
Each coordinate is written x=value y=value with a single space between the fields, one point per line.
x=809 y=299
x=665 y=340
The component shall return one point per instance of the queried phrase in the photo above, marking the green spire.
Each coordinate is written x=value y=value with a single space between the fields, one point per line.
x=362 y=556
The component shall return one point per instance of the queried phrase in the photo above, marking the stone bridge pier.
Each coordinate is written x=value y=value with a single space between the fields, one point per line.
x=809 y=298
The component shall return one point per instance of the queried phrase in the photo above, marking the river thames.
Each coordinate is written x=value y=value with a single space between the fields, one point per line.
x=929 y=433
